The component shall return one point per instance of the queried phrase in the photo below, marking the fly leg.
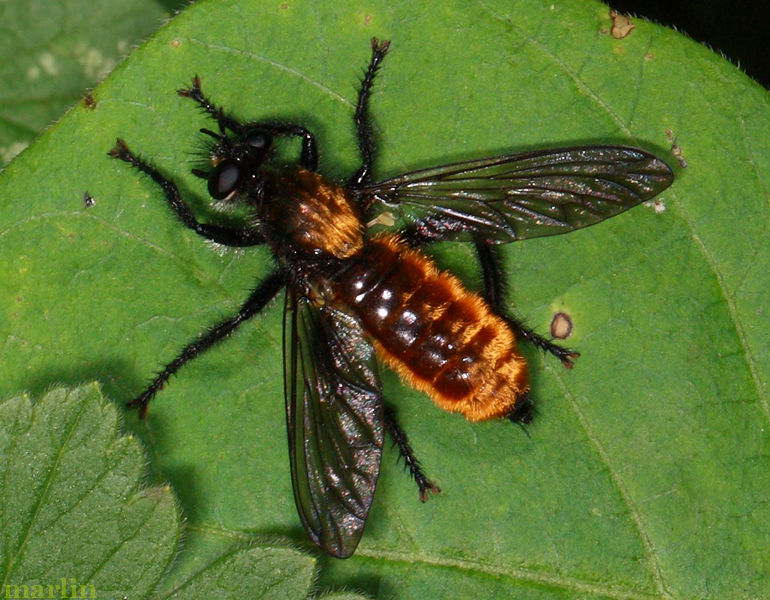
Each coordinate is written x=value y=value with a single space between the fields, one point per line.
x=256 y=301
x=309 y=155
x=362 y=118
x=224 y=120
x=399 y=438
x=228 y=236
x=494 y=292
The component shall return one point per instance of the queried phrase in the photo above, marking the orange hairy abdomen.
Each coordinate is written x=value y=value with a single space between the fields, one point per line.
x=439 y=337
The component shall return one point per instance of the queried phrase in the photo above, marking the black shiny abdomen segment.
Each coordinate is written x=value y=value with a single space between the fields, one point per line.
x=364 y=273
x=412 y=312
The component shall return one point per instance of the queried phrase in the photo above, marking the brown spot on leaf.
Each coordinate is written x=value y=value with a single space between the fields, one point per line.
x=621 y=25
x=561 y=326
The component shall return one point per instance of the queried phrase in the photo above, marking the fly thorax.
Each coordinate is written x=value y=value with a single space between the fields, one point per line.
x=317 y=217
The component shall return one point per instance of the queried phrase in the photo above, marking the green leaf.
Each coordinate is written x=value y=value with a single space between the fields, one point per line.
x=647 y=469
x=257 y=570
x=239 y=573
x=76 y=522
x=73 y=515
x=54 y=51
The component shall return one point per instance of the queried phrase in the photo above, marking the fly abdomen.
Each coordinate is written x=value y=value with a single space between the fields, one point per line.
x=441 y=338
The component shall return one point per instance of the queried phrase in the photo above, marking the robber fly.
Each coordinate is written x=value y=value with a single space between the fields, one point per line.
x=353 y=297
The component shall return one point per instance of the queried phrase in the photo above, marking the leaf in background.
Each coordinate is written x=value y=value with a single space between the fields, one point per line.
x=71 y=505
x=647 y=469
x=254 y=572
x=73 y=515
x=54 y=51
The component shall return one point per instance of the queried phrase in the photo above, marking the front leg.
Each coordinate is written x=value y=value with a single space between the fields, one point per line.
x=224 y=120
x=309 y=155
x=228 y=236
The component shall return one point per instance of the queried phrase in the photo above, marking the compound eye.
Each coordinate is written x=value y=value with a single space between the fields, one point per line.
x=258 y=140
x=224 y=179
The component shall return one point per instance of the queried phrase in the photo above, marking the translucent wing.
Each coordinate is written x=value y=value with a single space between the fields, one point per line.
x=507 y=198
x=334 y=416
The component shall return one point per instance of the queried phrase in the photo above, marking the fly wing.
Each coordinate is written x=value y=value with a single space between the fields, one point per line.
x=334 y=415
x=515 y=197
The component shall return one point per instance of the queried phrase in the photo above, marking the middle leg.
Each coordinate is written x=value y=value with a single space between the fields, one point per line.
x=256 y=301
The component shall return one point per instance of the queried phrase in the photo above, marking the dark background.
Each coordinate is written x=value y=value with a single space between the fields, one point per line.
x=740 y=29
